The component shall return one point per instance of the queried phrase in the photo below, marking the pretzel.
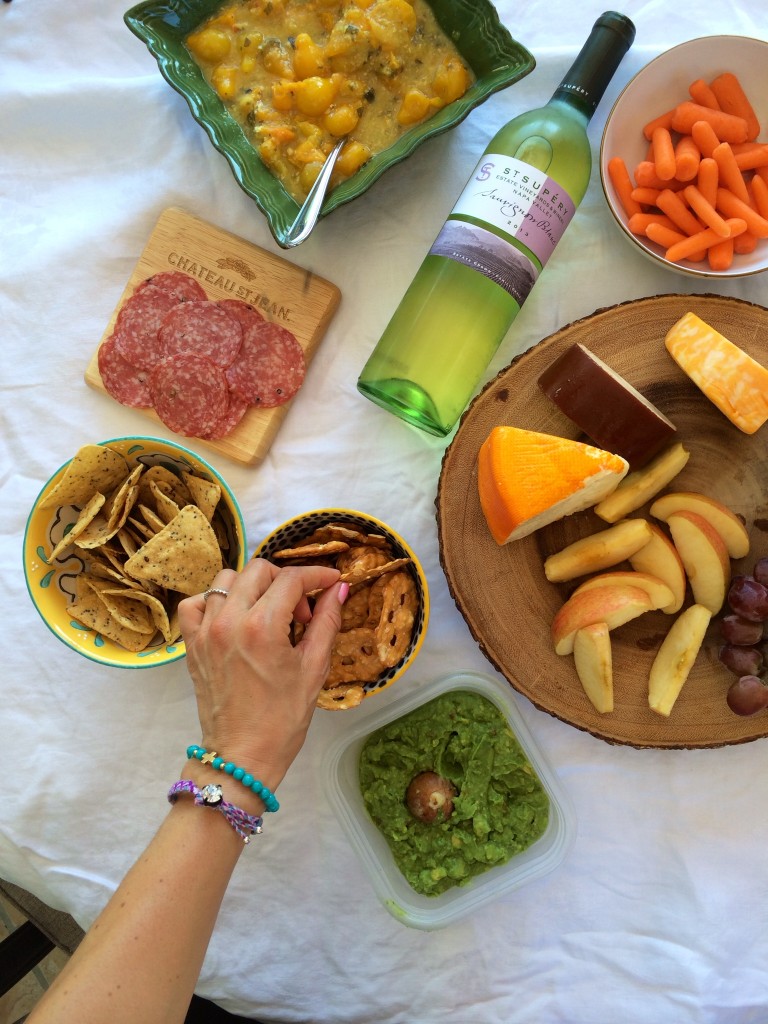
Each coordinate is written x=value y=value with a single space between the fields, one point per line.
x=361 y=558
x=354 y=658
x=340 y=698
x=395 y=628
x=331 y=547
x=355 y=610
x=361 y=575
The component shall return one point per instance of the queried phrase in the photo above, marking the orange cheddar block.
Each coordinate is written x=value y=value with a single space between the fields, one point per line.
x=527 y=480
x=731 y=379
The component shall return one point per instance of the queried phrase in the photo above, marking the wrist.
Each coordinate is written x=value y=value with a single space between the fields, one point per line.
x=239 y=778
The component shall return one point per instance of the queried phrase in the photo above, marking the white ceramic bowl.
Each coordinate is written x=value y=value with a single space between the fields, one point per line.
x=341 y=772
x=661 y=85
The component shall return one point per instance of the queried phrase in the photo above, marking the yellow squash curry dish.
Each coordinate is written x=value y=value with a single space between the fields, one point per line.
x=298 y=75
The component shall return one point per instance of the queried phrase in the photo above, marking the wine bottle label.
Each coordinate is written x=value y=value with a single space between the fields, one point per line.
x=521 y=201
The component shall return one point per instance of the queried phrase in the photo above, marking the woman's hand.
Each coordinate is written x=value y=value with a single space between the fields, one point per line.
x=255 y=691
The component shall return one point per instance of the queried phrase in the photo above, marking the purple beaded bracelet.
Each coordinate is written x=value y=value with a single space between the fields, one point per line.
x=246 y=825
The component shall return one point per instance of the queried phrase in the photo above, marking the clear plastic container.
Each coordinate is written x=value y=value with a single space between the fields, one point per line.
x=340 y=768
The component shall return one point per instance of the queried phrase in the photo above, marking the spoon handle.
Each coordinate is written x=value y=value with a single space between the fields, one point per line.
x=310 y=210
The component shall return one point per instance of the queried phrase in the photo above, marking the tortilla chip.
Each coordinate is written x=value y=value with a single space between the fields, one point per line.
x=86 y=515
x=89 y=609
x=205 y=493
x=93 y=468
x=152 y=519
x=168 y=482
x=154 y=606
x=183 y=556
x=165 y=507
x=122 y=607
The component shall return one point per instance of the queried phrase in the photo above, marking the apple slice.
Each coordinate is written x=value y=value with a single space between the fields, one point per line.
x=643 y=484
x=598 y=551
x=705 y=557
x=658 y=591
x=659 y=557
x=727 y=523
x=675 y=658
x=594 y=664
x=612 y=605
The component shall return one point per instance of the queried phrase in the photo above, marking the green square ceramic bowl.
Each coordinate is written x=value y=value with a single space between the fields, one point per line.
x=496 y=59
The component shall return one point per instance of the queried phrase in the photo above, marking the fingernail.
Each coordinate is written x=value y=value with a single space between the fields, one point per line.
x=343 y=593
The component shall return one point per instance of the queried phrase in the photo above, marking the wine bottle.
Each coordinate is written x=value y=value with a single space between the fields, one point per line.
x=491 y=250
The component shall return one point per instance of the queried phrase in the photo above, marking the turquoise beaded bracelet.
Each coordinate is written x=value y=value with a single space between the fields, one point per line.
x=239 y=774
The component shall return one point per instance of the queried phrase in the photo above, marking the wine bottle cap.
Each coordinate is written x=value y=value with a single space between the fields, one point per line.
x=588 y=77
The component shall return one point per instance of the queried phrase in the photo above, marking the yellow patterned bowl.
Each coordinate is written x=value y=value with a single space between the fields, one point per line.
x=295 y=531
x=52 y=585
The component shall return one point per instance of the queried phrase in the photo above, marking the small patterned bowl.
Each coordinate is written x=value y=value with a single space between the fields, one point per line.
x=51 y=586
x=291 y=534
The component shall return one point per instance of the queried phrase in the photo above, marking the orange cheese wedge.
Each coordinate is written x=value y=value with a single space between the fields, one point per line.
x=732 y=380
x=527 y=480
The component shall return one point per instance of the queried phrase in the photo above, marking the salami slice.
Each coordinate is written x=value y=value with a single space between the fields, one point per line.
x=123 y=381
x=243 y=312
x=137 y=326
x=201 y=328
x=177 y=284
x=235 y=412
x=269 y=368
x=189 y=394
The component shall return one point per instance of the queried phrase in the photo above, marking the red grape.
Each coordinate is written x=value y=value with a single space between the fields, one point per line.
x=747 y=695
x=749 y=599
x=742 y=661
x=760 y=572
x=736 y=630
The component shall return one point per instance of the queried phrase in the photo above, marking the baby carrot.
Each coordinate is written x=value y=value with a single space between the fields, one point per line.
x=732 y=99
x=703 y=134
x=751 y=155
x=663 y=153
x=663 y=236
x=619 y=175
x=702 y=94
x=646 y=177
x=640 y=222
x=706 y=211
x=662 y=121
x=669 y=202
x=703 y=240
x=732 y=206
x=730 y=175
x=646 y=196
x=687 y=158
x=720 y=255
x=708 y=179
x=744 y=244
x=760 y=195
x=727 y=127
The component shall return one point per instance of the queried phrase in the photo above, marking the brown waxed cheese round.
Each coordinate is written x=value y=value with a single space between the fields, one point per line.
x=429 y=797
x=613 y=414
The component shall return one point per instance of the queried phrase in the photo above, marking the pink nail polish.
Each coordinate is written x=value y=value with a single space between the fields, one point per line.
x=343 y=592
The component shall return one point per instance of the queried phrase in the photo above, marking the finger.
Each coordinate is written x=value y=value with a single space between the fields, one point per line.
x=288 y=593
x=192 y=609
x=321 y=632
x=252 y=582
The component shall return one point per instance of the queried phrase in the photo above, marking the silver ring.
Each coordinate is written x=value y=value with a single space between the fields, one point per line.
x=215 y=590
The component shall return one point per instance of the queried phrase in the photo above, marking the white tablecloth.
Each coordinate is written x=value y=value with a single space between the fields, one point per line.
x=660 y=913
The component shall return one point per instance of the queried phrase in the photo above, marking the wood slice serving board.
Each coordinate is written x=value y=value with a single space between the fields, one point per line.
x=502 y=591
x=230 y=267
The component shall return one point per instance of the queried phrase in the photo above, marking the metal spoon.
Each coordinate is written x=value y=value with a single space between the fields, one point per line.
x=307 y=216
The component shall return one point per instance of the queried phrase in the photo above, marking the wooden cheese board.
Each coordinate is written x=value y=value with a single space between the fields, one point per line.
x=502 y=592
x=231 y=267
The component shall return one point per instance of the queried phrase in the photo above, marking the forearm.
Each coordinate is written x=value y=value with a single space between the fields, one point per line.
x=141 y=958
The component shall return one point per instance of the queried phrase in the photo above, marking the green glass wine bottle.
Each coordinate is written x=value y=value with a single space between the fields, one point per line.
x=495 y=243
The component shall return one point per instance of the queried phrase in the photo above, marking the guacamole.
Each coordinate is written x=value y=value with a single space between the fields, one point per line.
x=500 y=807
